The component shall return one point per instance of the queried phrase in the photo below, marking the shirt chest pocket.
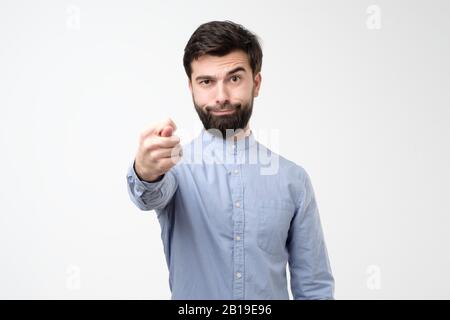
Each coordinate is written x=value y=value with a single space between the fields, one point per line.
x=274 y=219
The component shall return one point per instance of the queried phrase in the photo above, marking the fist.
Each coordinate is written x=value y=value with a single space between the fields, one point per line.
x=159 y=150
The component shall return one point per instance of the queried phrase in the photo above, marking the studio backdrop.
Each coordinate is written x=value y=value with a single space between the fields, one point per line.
x=357 y=91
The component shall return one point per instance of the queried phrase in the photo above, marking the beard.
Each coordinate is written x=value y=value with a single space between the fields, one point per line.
x=227 y=124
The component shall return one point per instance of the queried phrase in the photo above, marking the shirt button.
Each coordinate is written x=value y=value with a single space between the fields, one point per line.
x=236 y=171
x=238 y=204
x=238 y=275
x=238 y=238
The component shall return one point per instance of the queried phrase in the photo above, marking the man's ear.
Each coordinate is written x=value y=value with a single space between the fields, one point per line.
x=190 y=85
x=257 y=83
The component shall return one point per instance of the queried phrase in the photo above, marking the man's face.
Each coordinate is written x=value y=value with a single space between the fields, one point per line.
x=223 y=89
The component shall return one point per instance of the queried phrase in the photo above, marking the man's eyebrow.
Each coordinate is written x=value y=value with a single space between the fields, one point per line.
x=205 y=77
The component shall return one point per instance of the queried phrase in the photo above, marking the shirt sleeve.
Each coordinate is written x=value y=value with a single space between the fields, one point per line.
x=311 y=275
x=151 y=195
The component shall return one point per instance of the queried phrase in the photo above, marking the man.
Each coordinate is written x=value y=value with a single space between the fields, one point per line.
x=229 y=228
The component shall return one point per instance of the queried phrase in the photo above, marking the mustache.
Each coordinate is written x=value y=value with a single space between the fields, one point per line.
x=223 y=107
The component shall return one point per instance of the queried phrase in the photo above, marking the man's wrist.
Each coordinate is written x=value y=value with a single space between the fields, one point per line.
x=150 y=179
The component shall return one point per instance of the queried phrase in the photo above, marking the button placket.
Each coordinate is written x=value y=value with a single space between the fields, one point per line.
x=237 y=194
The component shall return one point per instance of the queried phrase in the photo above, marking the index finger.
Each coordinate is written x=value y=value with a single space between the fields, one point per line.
x=162 y=125
x=158 y=127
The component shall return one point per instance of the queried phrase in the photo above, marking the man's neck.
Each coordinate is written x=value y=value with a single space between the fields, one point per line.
x=241 y=134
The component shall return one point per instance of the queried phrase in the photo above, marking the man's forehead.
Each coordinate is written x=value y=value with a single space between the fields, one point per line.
x=210 y=63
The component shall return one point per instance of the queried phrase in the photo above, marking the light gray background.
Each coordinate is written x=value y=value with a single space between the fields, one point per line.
x=363 y=107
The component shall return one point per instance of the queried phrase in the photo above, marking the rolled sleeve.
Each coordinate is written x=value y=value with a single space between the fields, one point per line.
x=151 y=195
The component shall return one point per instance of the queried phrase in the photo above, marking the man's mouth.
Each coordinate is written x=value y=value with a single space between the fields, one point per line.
x=223 y=112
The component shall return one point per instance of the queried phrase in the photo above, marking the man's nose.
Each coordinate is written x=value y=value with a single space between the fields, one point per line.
x=222 y=96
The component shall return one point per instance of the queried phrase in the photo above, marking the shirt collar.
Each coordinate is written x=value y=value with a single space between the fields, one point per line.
x=230 y=144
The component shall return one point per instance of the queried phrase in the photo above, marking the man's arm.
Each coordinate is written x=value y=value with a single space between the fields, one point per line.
x=151 y=195
x=311 y=276
x=151 y=180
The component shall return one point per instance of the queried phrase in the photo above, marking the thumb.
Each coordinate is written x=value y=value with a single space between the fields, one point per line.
x=167 y=131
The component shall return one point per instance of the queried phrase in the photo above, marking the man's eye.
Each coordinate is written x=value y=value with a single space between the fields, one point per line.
x=206 y=82
x=235 y=78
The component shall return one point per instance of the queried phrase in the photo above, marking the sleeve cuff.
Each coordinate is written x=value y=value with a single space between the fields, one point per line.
x=142 y=186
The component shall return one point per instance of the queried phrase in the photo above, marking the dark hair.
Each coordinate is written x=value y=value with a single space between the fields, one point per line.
x=218 y=38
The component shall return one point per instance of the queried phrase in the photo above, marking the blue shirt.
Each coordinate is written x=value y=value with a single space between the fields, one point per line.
x=233 y=214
